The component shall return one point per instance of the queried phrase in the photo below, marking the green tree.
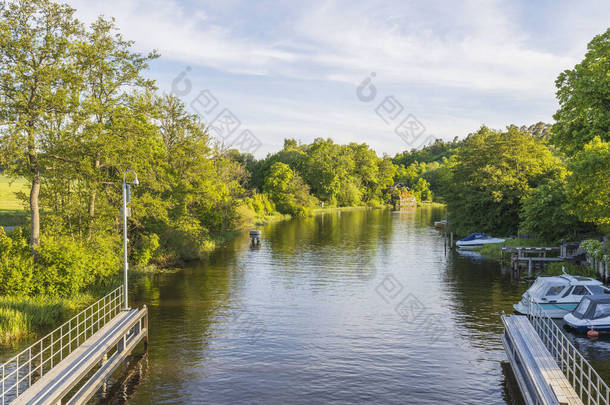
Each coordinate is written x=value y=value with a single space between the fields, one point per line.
x=588 y=184
x=493 y=173
x=545 y=213
x=36 y=74
x=287 y=190
x=584 y=99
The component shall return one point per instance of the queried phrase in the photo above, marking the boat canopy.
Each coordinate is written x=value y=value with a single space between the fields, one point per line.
x=593 y=307
x=475 y=236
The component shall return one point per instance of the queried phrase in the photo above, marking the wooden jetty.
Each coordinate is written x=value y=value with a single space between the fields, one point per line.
x=71 y=363
x=531 y=256
x=547 y=367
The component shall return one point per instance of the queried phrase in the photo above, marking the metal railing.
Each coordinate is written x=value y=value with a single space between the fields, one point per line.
x=589 y=386
x=27 y=367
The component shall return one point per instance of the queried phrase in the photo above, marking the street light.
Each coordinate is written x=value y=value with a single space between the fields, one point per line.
x=126 y=199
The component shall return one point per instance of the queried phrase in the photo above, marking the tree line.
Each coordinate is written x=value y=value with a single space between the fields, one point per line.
x=77 y=110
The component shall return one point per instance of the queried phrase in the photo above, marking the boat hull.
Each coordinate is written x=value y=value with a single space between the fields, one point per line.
x=553 y=310
x=477 y=243
x=585 y=325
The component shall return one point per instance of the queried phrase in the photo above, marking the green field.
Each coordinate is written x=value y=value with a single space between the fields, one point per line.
x=12 y=211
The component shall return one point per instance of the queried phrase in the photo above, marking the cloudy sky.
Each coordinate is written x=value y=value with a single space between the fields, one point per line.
x=292 y=69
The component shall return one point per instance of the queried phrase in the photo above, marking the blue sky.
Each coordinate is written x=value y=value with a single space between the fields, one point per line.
x=291 y=69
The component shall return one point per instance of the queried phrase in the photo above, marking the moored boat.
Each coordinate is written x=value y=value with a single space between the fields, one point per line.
x=559 y=295
x=593 y=313
x=477 y=240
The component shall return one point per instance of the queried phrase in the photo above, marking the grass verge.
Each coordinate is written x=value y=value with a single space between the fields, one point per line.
x=25 y=318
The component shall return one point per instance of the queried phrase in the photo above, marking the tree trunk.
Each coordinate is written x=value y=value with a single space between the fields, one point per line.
x=34 y=210
x=92 y=204
x=93 y=192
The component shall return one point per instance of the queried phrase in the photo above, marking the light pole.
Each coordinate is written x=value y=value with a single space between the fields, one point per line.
x=126 y=199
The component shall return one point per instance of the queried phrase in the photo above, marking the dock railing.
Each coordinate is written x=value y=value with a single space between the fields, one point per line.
x=584 y=379
x=27 y=367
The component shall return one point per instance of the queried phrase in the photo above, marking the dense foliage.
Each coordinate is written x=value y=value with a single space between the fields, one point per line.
x=77 y=111
x=583 y=94
x=494 y=172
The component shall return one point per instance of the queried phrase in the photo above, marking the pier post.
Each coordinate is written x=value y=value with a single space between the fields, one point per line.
x=529 y=267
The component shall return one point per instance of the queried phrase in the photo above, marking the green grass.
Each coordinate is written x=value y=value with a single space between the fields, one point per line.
x=27 y=318
x=555 y=269
x=24 y=317
x=12 y=211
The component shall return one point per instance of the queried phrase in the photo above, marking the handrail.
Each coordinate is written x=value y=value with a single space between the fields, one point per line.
x=589 y=386
x=27 y=367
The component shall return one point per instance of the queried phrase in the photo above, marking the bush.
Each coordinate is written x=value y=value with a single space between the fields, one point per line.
x=16 y=264
x=63 y=267
x=145 y=249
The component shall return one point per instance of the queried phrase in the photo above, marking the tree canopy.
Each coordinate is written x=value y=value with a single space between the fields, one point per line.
x=584 y=99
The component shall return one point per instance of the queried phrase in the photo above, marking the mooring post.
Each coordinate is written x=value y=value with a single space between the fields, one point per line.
x=529 y=266
x=451 y=245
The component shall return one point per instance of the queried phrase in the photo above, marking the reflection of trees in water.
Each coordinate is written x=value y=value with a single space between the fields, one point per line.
x=332 y=245
x=183 y=309
x=478 y=292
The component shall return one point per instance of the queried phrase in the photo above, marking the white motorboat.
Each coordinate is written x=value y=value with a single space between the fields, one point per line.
x=477 y=240
x=559 y=295
x=593 y=313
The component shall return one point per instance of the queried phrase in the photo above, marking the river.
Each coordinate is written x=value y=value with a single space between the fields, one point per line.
x=359 y=306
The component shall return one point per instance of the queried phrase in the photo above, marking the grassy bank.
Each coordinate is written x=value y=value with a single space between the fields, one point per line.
x=25 y=318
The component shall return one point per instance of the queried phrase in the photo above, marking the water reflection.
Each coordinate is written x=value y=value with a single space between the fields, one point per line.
x=350 y=307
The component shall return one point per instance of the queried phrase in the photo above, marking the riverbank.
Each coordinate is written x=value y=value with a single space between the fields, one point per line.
x=26 y=318
x=23 y=318
x=494 y=252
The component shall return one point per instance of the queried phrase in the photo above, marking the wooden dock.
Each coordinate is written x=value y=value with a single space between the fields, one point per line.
x=531 y=256
x=70 y=364
x=539 y=377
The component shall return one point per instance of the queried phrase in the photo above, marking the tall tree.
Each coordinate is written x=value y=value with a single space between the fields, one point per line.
x=589 y=183
x=36 y=65
x=493 y=173
x=584 y=99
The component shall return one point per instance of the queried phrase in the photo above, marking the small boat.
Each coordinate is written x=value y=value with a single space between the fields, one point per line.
x=593 y=313
x=440 y=224
x=559 y=295
x=477 y=240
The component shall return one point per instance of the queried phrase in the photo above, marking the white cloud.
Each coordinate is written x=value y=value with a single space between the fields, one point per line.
x=431 y=54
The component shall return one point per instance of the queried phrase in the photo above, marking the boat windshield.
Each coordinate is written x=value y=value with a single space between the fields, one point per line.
x=581 y=309
x=474 y=236
x=601 y=311
x=597 y=289
x=554 y=290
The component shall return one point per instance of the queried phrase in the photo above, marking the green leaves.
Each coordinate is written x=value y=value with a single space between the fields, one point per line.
x=493 y=173
x=588 y=184
x=584 y=98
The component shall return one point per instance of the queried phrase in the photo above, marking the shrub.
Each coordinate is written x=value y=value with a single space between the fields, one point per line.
x=16 y=264
x=145 y=249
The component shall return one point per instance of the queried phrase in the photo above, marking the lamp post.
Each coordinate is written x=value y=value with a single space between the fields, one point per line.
x=126 y=200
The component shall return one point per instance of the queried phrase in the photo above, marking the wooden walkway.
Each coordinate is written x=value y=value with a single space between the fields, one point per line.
x=531 y=256
x=537 y=373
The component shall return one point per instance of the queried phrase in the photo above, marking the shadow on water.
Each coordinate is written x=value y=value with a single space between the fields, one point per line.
x=358 y=306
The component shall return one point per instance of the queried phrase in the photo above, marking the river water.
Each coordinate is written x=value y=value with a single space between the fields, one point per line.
x=359 y=306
